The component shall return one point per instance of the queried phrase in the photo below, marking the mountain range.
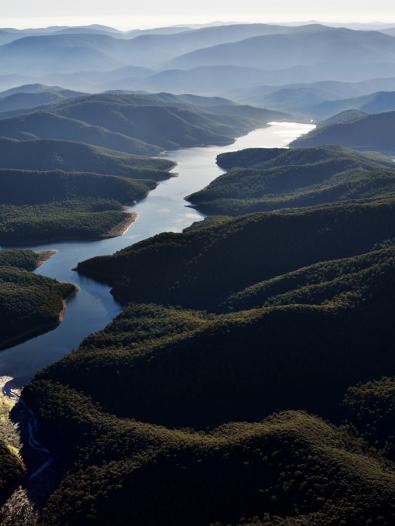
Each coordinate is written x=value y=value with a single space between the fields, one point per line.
x=143 y=124
x=356 y=130
x=280 y=54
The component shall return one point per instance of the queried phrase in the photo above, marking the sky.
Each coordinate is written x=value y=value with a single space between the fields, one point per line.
x=127 y=14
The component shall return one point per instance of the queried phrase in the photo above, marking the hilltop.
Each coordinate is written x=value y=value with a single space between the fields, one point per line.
x=368 y=132
x=29 y=304
x=326 y=274
x=46 y=155
x=141 y=124
x=269 y=179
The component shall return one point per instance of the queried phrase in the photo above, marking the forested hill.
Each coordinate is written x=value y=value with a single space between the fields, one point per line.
x=53 y=197
x=46 y=155
x=143 y=124
x=269 y=179
x=299 y=315
x=368 y=132
x=29 y=304
x=201 y=267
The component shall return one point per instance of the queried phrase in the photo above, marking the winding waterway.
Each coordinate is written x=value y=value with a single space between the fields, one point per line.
x=164 y=210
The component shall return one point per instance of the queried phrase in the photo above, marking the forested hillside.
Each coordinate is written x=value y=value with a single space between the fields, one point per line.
x=29 y=304
x=242 y=373
x=61 y=205
x=142 y=124
x=368 y=132
x=201 y=268
x=68 y=190
x=270 y=179
x=11 y=472
x=46 y=155
x=326 y=274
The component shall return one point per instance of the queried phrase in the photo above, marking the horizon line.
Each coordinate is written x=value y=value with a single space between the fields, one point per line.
x=119 y=23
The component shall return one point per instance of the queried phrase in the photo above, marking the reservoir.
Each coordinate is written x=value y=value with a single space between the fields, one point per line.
x=163 y=210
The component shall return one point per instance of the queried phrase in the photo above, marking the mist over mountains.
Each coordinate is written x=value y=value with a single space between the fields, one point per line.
x=247 y=375
x=204 y=60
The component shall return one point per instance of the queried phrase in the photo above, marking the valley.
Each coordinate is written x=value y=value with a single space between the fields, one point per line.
x=197 y=272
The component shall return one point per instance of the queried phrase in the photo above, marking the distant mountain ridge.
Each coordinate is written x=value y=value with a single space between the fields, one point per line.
x=374 y=132
x=269 y=179
x=142 y=124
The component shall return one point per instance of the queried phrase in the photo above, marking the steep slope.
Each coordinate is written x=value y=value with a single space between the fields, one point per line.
x=201 y=268
x=11 y=472
x=370 y=132
x=278 y=470
x=139 y=123
x=60 y=205
x=167 y=365
x=299 y=313
x=31 y=96
x=167 y=120
x=29 y=304
x=48 y=125
x=268 y=179
x=45 y=155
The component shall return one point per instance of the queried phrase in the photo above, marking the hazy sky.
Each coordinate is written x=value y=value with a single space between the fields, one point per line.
x=132 y=13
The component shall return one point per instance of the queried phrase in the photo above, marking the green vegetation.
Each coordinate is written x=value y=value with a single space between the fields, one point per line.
x=200 y=268
x=290 y=322
x=29 y=303
x=366 y=132
x=38 y=206
x=249 y=378
x=370 y=409
x=269 y=179
x=11 y=472
x=59 y=205
x=46 y=155
x=24 y=259
x=142 y=124
x=74 y=190
x=289 y=467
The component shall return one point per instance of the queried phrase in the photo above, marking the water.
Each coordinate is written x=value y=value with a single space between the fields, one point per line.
x=164 y=210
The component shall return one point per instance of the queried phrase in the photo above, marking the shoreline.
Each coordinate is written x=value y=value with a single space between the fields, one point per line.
x=123 y=227
x=116 y=231
x=45 y=256
x=39 y=330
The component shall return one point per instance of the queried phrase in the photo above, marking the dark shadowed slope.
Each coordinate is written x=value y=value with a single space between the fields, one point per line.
x=29 y=304
x=44 y=155
x=260 y=179
x=201 y=267
x=299 y=311
x=369 y=132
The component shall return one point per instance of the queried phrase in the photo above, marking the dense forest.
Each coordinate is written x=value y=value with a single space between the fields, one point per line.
x=362 y=132
x=248 y=377
x=270 y=179
x=29 y=303
x=142 y=124
x=148 y=400
x=59 y=205
x=200 y=267
x=47 y=155
x=11 y=472
x=74 y=186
